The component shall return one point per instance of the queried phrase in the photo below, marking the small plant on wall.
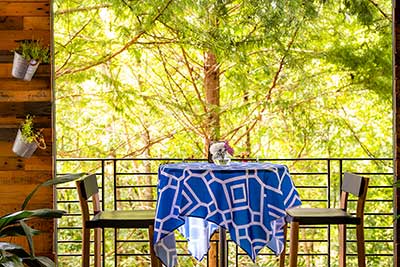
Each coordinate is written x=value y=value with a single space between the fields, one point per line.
x=27 y=57
x=28 y=138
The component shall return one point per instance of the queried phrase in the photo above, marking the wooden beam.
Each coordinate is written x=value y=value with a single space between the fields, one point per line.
x=396 y=125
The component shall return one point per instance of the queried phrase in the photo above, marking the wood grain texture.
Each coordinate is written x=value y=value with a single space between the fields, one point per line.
x=18 y=111
x=36 y=23
x=24 y=9
x=23 y=177
x=11 y=23
x=13 y=90
x=5 y=70
x=22 y=20
x=9 y=39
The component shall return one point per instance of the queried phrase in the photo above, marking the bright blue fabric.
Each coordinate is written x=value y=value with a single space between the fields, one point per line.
x=247 y=199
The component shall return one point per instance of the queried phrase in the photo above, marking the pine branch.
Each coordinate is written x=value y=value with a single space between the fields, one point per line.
x=125 y=47
x=84 y=9
x=380 y=10
x=272 y=87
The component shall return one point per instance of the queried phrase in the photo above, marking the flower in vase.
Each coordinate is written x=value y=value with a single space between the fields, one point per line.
x=220 y=150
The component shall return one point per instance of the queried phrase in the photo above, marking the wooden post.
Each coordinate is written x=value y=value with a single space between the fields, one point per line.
x=396 y=125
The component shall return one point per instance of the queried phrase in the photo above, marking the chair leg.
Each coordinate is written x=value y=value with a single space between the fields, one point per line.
x=155 y=262
x=97 y=247
x=85 y=247
x=360 y=245
x=283 y=254
x=294 y=243
x=342 y=245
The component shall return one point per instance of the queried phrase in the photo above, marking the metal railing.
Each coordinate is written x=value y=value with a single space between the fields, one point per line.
x=131 y=183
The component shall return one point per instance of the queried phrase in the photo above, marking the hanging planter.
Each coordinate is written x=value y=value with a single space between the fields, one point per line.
x=27 y=58
x=28 y=139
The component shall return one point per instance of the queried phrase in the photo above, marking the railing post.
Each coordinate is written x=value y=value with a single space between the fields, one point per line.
x=329 y=205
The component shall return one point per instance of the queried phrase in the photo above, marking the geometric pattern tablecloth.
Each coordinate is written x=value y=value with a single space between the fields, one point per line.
x=247 y=199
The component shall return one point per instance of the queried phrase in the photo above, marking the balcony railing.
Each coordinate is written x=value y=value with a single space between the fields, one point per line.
x=131 y=183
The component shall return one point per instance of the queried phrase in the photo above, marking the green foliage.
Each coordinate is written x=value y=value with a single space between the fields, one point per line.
x=30 y=133
x=289 y=71
x=14 y=224
x=34 y=50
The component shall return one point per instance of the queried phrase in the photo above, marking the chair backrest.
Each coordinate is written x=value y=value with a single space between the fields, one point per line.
x=87 y=188
x=355 y=185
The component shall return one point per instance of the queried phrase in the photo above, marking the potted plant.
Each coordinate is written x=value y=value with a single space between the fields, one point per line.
x=27 y=57
x=15 y=224
x=28 y=139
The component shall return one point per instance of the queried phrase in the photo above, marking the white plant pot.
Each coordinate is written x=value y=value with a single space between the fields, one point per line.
x=22 y=148
x=23 y=69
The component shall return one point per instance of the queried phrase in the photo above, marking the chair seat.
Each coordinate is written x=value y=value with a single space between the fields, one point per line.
x=316 y=216
x=122 y=219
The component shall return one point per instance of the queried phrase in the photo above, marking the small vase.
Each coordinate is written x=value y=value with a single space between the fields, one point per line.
x=23 y=69
x=22 y=148
x=221 y=159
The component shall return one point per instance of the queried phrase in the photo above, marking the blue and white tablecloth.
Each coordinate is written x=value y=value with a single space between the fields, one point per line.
x=247 y=199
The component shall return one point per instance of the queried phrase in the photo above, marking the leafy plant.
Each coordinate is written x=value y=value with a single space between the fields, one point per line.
x=14 y=224
x=31 y=134
x=34 y=50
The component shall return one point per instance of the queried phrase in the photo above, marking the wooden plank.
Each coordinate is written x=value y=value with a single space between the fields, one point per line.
x=23 y=9
x=6 y=56
x=9 y=164
x=6 y=151
x=18 y=110
x=35 y=163
x=9 y=39
x=23 y=177
x=7 y=135
x=36 y=95
x=36 y=23
x=17 y=84
x=43 y=71
x=11 y=23
x=17 y=193
x=13 y=90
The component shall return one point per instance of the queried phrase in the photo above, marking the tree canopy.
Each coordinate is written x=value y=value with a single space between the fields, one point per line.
x=274 y=78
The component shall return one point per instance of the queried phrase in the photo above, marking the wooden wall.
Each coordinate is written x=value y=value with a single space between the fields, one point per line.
x=19 y=20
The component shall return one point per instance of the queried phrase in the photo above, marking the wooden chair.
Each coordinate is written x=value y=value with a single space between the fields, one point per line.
x=88 y=188
x=353 y=184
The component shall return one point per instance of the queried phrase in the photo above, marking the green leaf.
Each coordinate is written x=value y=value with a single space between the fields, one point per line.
x=60 y=179
x=11 y=261
x=47 y=213
x=39 y=262
x=13 y=218
x=29 y=237
x=15 y=230
x=11 y=248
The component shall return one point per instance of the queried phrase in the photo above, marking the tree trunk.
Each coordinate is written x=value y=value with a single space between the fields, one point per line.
x=211 y=87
